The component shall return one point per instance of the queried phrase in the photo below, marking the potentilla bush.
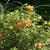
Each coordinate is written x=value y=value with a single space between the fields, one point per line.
x=23 y=28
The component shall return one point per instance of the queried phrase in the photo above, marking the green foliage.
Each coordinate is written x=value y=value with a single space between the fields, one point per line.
x=26 y=37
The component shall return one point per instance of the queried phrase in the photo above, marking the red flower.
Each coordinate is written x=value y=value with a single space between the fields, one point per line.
x=2 y=36
x=19 y=25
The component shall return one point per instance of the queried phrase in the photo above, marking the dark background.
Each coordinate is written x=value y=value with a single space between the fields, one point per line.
x=43 y=11
x=35 y=2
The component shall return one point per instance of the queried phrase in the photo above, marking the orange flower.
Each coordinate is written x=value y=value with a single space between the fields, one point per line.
x=2 y=36
x=40 y=45
x=28 y=22
x=29 y=9
x=19 y=25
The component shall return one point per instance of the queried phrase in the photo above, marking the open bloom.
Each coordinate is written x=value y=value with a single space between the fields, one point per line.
x=28 y=22
x=29 y=9
x=40 y=45
x=19 y=25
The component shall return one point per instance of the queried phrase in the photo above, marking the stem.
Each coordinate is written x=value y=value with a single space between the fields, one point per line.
x=6 y=5
x=7 y=2
x=18 y=2
x=42 y=6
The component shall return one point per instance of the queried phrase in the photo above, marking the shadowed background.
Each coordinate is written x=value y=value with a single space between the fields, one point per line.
x=43 y=11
